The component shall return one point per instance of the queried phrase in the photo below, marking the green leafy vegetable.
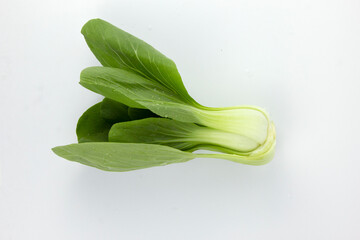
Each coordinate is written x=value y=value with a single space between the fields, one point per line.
x=148 y=117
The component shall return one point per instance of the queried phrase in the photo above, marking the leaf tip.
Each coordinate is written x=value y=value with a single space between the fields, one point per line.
x=91 y=23
x=57 y=151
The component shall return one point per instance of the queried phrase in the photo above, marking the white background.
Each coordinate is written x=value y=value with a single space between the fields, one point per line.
x=300 y=60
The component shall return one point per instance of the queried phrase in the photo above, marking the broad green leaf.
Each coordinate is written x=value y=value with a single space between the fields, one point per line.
x=114 y=47
x=91 y=127
x=122 y=157
x=114 y=111
x=137 y=92
x=180 y=135
x=125 y=87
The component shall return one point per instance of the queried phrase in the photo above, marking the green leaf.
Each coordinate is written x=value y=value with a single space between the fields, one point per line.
x=114 y=111
x=116 y=48
x=91 y=127
x=180 y=135
x=122 y=157
x=137 y=92
x=125 y=87
x=156 y=131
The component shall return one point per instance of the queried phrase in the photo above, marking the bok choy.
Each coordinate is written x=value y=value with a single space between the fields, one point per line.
x=148 y=118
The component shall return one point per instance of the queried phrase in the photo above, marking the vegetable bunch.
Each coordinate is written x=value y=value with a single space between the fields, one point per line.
x=147 y=117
